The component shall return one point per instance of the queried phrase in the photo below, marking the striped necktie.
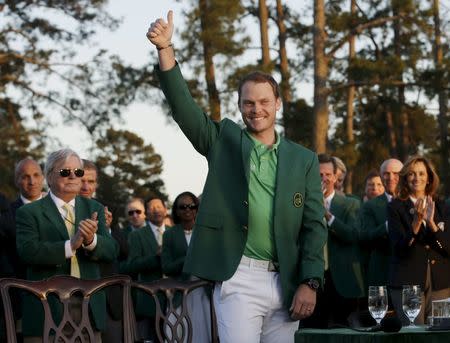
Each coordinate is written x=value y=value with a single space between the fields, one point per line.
x=69 y=220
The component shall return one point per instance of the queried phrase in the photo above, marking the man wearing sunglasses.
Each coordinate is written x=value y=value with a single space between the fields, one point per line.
x=63 y=234
x=259 y=231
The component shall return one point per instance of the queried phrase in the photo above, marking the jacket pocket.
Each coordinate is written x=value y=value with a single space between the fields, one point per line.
x=209 y=220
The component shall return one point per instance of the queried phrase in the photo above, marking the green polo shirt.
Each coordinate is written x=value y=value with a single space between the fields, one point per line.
x=261 y=192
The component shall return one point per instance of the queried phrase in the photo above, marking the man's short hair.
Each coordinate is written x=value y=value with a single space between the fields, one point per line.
x=89 y=165
x=259 y=77
x=135 y=199
x=20 y=164
x=155 y=198
x=56 y=156
x=324 y=158
x=371 y=174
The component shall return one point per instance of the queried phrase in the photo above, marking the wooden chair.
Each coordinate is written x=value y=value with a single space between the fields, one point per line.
x=64 y=288
x=175 y=308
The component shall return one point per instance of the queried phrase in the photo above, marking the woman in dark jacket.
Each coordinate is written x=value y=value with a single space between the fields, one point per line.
x=420 y=238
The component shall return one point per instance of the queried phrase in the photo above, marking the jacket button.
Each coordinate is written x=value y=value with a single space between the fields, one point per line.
x=245 y=227
x=245 y=203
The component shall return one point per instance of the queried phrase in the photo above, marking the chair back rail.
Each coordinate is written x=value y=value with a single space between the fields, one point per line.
x=64 y=287
x=180 y=330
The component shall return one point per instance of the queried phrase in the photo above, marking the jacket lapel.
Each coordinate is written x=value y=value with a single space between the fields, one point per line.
x=284 y=169
x=150 y=236
x=246 y=146
x=51 y=212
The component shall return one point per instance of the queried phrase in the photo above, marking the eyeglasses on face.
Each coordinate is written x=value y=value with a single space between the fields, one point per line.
x=190 y=206
x=131 y=212
x=66 y=172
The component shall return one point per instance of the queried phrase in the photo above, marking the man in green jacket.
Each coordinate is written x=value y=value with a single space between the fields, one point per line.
x=343 y=277
x=62 y=234
x=259 y=231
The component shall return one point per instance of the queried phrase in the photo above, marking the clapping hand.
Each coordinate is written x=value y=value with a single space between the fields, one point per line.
x=88 y=228
x=420 y=211
x=429 y=214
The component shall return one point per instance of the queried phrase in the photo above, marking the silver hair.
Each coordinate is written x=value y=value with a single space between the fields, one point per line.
x=58 y=156
x=340 y=164
x=21 y=163
x=386 y=162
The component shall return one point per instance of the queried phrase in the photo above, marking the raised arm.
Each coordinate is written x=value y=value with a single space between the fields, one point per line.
x=160 y=35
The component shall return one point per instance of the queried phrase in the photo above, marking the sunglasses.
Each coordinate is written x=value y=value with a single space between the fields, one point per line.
x=131 y=212
x=190 y=206
x=66 y=172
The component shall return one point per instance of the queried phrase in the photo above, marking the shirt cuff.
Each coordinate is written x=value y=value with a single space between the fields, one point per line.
x=93 y=244
x=331 y=220
x=68 y=249
x=387 y=227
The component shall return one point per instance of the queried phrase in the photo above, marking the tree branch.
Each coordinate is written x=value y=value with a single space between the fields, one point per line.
x=357 y=30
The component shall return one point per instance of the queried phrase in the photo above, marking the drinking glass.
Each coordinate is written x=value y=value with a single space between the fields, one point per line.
x=411 y=302
x=378 y=302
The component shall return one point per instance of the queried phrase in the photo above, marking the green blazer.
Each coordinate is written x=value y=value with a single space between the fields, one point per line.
x=40 y=238
x=174 y=251
x=374 y=239
x=343 y=252
x=220 y=231
x=144 y=262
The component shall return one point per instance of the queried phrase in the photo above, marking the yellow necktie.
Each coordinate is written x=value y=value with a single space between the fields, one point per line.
x=69 y=220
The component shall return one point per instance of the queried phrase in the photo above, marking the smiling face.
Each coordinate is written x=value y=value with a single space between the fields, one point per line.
x=156 y=211
x=65 y=188
x=417 y=179
x=258 y=106
x=29 y=180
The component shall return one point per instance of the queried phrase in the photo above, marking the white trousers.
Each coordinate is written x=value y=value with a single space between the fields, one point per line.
x=249 y=308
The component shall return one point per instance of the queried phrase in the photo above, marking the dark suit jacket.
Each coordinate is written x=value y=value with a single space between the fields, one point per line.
x=220 y=231
x=343 y=251
x=113 y=293
x=173 y=253
x=143 y=261
x=7 y=240
x=374 y=239
x=409 y=263
x=41 y=235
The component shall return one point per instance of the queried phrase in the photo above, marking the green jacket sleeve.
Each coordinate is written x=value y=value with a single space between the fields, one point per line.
x=32 y=249
x=201 y=131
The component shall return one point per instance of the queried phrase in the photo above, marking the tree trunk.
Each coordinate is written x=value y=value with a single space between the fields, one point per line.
x=286 y=92
x=263 y=27
x=213 y=93
x=349 y=134
x=443 y=102
x=392 y=135
x=320 y=130
x=403 y=143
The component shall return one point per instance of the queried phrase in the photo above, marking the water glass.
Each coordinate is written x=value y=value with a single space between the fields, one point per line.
x=378 y=302
x=411 y=302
